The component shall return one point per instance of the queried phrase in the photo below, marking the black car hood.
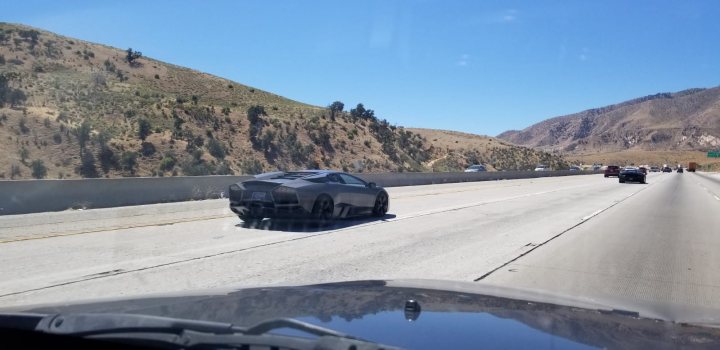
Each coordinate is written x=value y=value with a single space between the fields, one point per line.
x=457 y=316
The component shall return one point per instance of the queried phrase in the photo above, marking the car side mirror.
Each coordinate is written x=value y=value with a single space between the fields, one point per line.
x=371 y=185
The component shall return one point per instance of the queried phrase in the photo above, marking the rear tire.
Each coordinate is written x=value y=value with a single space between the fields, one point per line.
x=622 y=181
x=382 y=203
x=606 y=176
x=323 y=209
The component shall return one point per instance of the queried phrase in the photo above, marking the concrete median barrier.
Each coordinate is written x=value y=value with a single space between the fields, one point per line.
x=417 y=179
x=34 y=196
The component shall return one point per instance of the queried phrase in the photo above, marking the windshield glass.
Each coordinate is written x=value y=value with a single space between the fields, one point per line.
x=568 y=149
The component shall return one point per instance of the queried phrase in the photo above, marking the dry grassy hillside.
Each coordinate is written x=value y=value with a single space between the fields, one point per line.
x=456 y=150
x=71 y=109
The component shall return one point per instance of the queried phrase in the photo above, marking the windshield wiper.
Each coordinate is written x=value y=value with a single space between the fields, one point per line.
x=180 y=333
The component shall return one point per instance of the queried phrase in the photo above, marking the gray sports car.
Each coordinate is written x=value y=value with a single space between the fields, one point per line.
x=318 y=194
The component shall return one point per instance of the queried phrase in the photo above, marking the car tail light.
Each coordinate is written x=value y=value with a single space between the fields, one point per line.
x=235 y=192
x=284 y=195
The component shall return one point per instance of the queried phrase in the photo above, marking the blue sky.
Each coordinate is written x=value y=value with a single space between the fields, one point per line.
x=475 y=66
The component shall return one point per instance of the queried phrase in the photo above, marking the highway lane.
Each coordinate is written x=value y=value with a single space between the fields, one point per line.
x=659 y=246
x=453 y=231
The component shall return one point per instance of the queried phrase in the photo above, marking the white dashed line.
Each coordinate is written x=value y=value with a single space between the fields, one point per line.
x=591 y=215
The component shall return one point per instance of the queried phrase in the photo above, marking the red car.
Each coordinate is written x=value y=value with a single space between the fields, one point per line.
x=612 y=170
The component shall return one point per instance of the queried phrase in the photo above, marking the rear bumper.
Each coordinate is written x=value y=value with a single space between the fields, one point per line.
x=269 y=209
x=611 y=174
x=632 y=178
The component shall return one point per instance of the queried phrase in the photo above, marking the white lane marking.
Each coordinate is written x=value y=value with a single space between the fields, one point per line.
x=595 y=213
x=591 y=215
x=708 y=191
x=475 y=204
x=538 y=245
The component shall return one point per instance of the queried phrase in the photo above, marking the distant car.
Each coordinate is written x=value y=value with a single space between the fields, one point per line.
x=612 y=170
x=680 y=170
x=667 y=169
x=643 y=169
x=542 y=167
x=575 y=168
x=654 y=169
x=322 y=195
x=596 y=167
x=475 y=168
x=631 y=174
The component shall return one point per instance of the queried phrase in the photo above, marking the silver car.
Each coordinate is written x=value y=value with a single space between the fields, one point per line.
x=318 y=194
x=475 y=168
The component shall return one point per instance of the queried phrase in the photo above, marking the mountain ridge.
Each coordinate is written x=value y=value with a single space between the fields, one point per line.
x=687 y=120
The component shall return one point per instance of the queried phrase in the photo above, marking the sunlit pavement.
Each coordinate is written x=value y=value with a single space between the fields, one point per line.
x=585 y=235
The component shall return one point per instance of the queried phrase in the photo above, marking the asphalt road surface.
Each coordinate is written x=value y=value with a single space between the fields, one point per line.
x=586 y=236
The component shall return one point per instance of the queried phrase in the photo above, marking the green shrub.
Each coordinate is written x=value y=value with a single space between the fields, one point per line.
x=322 y=138
x=197 y=168
x=197 y=141
x=167 y=163
x=131 y=56
x=15 y=171
x=144 y=128
x=23 y=126
x=87 y=166
x=223 y=169
x=109 y=66
x=254 y=113
x=177 y=122
x=128 y=161
x=147 y=149
x=197 y=155
x=17 y=97
x=216 y=148
x=39 y=170
x=108 y=159
x=251 y=166
x=24 y=154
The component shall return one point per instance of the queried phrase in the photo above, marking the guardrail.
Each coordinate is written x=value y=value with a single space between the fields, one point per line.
x=34 y=196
